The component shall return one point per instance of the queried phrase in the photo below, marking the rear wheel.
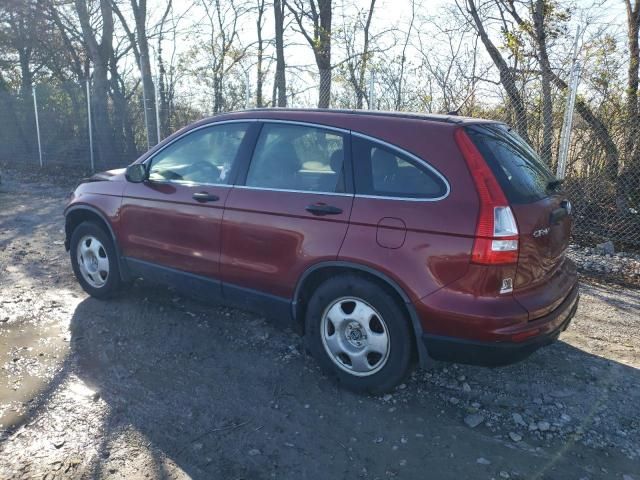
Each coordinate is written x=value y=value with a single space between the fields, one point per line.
x=359 y=334
x=94 y=261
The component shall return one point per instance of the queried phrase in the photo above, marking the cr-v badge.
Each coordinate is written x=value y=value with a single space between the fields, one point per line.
x=541 y=232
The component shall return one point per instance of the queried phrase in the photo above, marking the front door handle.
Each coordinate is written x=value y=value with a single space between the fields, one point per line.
x=205 y=197
x=322 y=209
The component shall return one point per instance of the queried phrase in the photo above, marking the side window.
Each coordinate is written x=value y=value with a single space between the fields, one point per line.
x=205 y=156
x=384 y=172
x=295 y=157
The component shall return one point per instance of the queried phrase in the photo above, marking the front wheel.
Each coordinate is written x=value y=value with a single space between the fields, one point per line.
x=359 y=334
x=94 y=261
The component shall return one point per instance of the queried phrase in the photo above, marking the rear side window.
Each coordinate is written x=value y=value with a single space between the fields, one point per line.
x=381 y=171
x=523 y=176
x=295 y=157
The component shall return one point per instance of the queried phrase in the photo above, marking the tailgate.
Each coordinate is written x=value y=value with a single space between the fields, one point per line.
x=544 y=277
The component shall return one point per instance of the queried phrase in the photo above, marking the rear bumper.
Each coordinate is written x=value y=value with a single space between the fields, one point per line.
x=535 y=335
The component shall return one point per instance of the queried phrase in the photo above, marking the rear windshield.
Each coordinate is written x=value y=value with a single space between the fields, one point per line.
x=523 y=176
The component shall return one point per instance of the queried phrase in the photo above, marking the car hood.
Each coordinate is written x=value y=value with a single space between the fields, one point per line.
x=108 y=175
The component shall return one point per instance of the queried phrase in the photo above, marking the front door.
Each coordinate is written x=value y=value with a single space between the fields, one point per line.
x=174 y=218
x=291 y=210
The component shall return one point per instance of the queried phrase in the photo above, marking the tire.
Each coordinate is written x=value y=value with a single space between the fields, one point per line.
x=96 y=267
x=337 y=336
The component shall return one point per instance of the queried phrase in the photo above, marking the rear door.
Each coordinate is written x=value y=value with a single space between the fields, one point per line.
x=541 y=209
x=290 y=209
x=174 y=218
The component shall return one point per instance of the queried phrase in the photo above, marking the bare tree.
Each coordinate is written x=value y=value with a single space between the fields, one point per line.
x=507 y=76
x=260 y=12
x=318 y=13
x=358 y=57
x=222 y=50
x=403 y=57
x=630 y=175
x=99 y=51
x=596 y=124
x=20 y=27
x=164 y=87
x=280 y=84
x=140 y=45
x=539 y=13
x=450 y=62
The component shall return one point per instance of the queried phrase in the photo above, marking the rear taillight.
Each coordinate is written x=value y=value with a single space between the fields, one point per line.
x=496 y=239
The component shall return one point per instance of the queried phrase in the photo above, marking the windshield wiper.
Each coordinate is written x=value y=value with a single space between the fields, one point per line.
x=555 y=183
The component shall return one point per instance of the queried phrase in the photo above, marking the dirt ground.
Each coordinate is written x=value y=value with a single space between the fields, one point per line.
x=155 y=385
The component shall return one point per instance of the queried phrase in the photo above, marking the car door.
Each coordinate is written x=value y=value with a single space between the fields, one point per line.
x=174 y=218
x=290 y=210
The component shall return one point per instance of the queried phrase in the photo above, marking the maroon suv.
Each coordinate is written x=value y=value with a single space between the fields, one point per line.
x=386 y=238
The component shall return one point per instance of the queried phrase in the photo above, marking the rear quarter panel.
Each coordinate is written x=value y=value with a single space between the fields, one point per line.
x=437 y=247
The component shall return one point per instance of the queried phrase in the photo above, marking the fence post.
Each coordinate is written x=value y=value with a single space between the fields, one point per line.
x=567 y=124
x=146 y=119
x=157 y=103
x=89 y=124
x=247 y=98
x=35 y=108
x=372 y=91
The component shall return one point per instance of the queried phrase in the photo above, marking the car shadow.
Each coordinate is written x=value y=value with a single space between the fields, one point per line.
x=214 y=392
x=223 y=392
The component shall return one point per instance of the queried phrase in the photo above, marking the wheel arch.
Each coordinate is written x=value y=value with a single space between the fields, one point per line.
x=316 y=274
x=77 y=214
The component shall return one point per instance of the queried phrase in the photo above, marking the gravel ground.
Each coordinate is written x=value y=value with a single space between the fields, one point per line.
x=155 y=385
x=623 y=267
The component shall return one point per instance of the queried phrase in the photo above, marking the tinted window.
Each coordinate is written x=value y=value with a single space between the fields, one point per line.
x=294 y=157
x=517 y=167
x=384 y=172
x=205 y=156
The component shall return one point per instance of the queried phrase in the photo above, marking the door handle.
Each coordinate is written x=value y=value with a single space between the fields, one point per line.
x=205 y=197
x=321 y=209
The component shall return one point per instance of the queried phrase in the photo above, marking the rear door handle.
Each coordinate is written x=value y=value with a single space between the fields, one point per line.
x=205 y=197
x=320 y=209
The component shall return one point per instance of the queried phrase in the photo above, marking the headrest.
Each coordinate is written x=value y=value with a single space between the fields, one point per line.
x=383 y=163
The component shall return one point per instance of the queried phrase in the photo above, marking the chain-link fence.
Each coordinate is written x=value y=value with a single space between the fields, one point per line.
x=52 y=124
x=45 y=125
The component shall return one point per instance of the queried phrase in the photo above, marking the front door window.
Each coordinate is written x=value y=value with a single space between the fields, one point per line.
x=203 y=157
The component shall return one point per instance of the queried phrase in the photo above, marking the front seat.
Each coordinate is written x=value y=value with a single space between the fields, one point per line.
x=279 y=168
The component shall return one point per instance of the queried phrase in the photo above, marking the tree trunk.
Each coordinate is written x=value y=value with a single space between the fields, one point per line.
x=259 y=72
x=281 y=80
x=506 y=76
x=99 y=53
x=26 y=94
x=365 y=59
x=100 y=113
x=319 y=40
x=545 y=67
x=323 y=53
x=324 y=95
x=139 y=8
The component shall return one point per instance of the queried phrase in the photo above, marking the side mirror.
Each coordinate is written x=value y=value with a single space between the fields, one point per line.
x=136 y=173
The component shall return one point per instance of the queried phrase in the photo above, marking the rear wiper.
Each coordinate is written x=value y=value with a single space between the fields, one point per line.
x=555 y=183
